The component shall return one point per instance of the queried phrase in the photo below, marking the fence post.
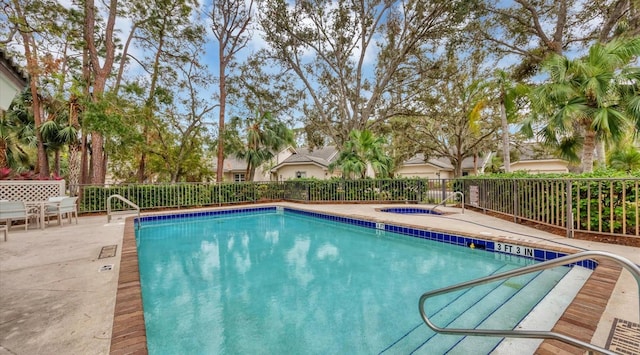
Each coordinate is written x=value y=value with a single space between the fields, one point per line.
x=569 y=210
x=443 y=186
x=515 y=201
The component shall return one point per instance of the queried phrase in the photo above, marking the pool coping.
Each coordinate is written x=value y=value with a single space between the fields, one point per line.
x=579 y=320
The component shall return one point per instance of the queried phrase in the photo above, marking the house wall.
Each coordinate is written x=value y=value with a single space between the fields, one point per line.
x=288 y=172
x=8 y=90
x=541 y=167
x=228 y=175
x=422 y=171
x=282 y=155
x=263 y=173
x=12 y=81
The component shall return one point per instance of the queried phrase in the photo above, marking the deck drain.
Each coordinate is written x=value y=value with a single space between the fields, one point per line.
x=108 y=252
x=105 y=268
x=624 y=337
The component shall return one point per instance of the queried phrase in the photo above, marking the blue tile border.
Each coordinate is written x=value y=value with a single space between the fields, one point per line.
x=203 y=214
x=465 y=241
x=409 y=210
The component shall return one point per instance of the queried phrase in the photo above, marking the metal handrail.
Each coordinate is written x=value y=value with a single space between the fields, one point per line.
x=126 y=201
x=625 y=263
x=453 y=194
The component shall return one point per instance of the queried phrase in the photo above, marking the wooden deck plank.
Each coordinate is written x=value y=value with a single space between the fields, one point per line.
x=129 y=334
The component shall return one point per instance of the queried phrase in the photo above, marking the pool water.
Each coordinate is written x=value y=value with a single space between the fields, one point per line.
x=268 y=283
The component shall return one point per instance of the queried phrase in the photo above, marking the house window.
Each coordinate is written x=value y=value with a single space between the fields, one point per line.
x=301 y=174
x=238 y=177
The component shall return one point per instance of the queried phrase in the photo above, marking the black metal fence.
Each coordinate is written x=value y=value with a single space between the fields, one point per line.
x=604 y=206
x=609 y=206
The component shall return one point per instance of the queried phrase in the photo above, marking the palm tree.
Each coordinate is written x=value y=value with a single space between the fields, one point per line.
x=362 y=150
x=265 y=135
x=596 y=97
x=17 y=132
x=55 y=129
x=626 y=160
x=9 y=147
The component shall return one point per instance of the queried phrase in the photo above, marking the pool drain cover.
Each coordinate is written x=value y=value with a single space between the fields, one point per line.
x=105 y=268
x=624 y=337
x=108 y=252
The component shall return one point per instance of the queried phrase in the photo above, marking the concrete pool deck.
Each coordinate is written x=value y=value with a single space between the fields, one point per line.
x=54 y=299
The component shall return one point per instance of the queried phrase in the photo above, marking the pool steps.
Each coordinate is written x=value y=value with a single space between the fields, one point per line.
x=485 y=306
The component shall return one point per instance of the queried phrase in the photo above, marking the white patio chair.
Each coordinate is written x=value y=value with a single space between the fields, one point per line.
x=65 y=206
x=16 y=210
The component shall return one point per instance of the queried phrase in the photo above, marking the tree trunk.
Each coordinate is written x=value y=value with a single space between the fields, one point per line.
x=74 y=148
x=601 y=153
x=74 y=168
x=505 y=138
x=100 y=75
x=3 y=154
x=587 y=150
x=457 y=168
x=97 y=159
x=32 y=65
x=56 y=162
x=84 y=161
x=142 y=166
x=104 y=166
x=475 y=163
x=31 y=55
x=223 y=99
x=149 y=110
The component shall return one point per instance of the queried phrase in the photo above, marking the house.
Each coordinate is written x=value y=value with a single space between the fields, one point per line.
x=541 y=166
x=440 y=168
x=535 y=160
x=296 y=163
x=417 y=167
x=235 y=169
x=12 y=80
x=306 y=163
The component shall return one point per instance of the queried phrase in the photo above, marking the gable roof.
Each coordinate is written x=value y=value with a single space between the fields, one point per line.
x=418 y=159
x=445 y=163
x=319 y=156
x=234 y=164
x=535 y=151
x=12 y=71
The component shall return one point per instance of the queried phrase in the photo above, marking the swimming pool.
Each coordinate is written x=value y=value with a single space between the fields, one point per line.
x=410 y=210
x=269 y=281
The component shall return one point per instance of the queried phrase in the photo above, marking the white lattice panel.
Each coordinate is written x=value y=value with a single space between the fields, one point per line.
x=31 y=190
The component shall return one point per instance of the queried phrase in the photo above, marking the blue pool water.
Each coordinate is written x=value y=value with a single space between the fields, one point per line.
x=282 y=283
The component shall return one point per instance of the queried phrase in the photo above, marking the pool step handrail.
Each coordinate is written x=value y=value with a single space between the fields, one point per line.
x=535 y=334
x=124 y=200
x=449 y=197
